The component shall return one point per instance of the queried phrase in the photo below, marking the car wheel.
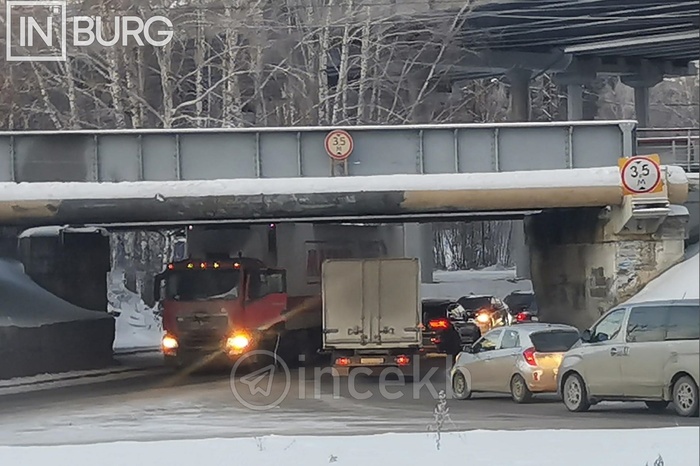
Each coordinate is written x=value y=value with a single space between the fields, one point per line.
x=656 y=406
x=460 y=386
x=519 y=390
x=685 y=397
x=574 y=394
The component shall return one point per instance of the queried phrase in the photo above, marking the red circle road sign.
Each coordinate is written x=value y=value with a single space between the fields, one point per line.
x=640 y=175
x=338 y=144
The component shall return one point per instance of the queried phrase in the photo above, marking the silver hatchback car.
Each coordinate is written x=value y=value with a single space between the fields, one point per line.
x=522 y=359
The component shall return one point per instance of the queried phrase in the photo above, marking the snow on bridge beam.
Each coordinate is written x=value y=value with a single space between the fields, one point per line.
x=299 y=198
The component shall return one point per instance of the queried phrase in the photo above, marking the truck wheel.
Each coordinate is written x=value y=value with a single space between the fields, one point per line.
x=685 y=397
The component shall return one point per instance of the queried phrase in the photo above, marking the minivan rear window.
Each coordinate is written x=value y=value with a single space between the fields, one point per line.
x=554 y=341
x=683 y=323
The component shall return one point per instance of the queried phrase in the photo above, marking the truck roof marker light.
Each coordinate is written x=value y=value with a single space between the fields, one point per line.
x=236 y=265
x=171 y=266
x=190 y=265
x=203 y=265
x=216 y=265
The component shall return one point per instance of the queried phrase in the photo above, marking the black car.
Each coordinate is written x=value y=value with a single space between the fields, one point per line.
x=521 y=303
x=443 y=334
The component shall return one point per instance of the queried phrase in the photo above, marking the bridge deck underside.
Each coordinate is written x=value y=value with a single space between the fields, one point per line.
x=289 y=152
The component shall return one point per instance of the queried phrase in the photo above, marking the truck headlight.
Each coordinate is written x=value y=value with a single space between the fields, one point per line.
x=169 y=342
x=483 y=318
x=238 y=342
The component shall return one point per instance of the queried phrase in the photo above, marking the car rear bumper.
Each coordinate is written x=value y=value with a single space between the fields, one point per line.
x=541 y=380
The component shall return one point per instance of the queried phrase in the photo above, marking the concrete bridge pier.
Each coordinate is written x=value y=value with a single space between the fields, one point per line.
x=586 y=261
x=418 y=242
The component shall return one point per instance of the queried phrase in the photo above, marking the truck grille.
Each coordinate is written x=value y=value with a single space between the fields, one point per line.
x=202 y=329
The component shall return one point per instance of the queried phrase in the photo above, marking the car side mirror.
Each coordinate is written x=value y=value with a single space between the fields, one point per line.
x=601 y=337
x=468 y=349
x=586 y=336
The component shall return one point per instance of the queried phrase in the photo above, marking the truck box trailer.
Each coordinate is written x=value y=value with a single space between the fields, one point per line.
x=371 y=313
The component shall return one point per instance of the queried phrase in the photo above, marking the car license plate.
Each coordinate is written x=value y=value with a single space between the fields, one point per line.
x=371 y=360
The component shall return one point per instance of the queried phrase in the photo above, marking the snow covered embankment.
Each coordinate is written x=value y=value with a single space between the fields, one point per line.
x=677 y=446
x=137 y=327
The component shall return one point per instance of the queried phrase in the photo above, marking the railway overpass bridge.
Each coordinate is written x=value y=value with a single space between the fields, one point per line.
x=589 y=244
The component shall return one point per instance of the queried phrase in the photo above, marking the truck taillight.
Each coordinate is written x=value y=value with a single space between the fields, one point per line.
x=342 y=361
x=403 y=360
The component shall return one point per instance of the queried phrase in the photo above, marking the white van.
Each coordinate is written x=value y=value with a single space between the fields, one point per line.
x=646 y=351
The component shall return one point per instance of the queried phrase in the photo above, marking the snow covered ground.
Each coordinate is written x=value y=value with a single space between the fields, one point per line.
x=676 y=446
x=138 y=328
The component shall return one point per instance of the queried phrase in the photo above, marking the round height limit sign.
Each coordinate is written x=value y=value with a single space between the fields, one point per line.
x=641 y=174
x=338 y=144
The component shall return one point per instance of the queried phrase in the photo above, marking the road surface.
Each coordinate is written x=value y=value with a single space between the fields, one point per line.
x=158 y=404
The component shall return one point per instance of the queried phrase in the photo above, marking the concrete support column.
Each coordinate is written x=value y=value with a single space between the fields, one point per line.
x=581 y=268
x=575 y=81
x=519 y=105
x=642 y=83
x=519 y=250
x=641 y=105
x=574 y=102
x=71 y=265
x=418 y=242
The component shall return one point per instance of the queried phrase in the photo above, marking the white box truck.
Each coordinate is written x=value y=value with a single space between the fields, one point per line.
x=371 y=313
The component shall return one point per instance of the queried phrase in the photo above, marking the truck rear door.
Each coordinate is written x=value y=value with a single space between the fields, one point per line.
x=371 y=303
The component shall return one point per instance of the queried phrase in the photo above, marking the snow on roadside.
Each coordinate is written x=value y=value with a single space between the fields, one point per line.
x=677 y=446
x=496 y=281
x=679 y=282
x=137 y=326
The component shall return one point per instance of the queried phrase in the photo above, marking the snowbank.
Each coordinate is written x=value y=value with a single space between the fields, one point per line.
x=679 y=282
x=137 y=325
x=161 y=190
x=677 y=446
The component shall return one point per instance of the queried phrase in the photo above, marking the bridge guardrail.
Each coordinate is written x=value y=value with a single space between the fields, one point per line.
x=675 y=146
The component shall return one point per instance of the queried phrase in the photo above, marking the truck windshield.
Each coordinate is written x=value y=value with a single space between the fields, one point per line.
x=203 y=285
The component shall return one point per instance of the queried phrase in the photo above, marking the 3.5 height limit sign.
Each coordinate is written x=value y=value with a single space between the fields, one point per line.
x=641 y=174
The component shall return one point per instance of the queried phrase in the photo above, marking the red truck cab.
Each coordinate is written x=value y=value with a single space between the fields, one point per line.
x=212 y=308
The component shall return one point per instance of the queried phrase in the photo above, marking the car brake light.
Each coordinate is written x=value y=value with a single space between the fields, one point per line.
x=439 y=324
x=529 y=355
x=343 y=361
x=521 y=316
x=403 y=360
